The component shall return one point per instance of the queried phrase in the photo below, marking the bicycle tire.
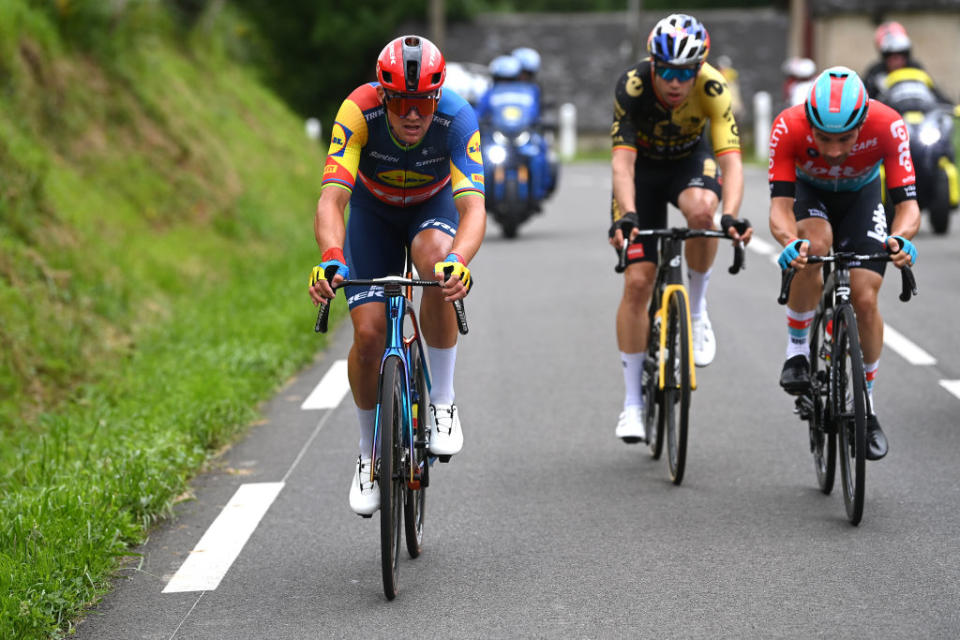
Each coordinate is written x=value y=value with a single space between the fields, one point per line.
x=415 y=501
x=823 y=441
x=851 y=410
x=391 y=472
x=652 y=418
x=676 y=387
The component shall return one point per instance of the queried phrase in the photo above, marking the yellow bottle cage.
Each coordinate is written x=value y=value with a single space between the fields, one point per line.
x=663 y=333
x=908 y=74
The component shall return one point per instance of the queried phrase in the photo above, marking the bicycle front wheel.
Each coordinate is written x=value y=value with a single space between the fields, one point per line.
x=850 y=400
x=391 y=472
x=415 y=501
x=652 y=419
x=823 y=442
x=676 y=385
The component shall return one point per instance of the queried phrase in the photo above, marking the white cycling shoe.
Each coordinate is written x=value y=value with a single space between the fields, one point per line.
x=364 y=493
x=704 y=342
x=446 y=436
x=630 y=425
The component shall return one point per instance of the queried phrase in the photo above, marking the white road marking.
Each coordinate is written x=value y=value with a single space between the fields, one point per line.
x=761 y=246
x=221 y=544
x=953 y=386
x=907 y=349
x=331 y=389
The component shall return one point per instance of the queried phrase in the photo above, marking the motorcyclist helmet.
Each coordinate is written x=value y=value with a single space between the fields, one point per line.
x=890 y=38
x=529 y=59
x=411 y=64
x=837 y=101
x=679 y=40
x=505 y=68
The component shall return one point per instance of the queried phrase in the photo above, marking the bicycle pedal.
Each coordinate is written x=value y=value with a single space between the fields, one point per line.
x=420 y=444
x=365 y=516
x=444 y=459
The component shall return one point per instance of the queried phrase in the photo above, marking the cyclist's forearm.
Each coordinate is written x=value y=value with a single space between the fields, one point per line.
x=473 y=224
x=328 y=225
x=906 y=219
x=783 y=224
x=624 y=187
x=731 y=191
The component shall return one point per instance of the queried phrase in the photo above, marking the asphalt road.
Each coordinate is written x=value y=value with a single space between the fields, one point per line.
x=546 y=525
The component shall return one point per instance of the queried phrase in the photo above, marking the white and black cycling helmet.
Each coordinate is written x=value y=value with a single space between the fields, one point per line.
x=679 y=40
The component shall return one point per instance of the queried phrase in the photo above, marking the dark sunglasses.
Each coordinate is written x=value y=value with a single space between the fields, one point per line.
x=402 y=103
x=679 y=73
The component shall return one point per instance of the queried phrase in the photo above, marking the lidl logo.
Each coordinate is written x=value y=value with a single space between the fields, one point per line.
x=338 y=139
x=477 y=177
x=473 y=148
x=330 y=168
x=404 y=179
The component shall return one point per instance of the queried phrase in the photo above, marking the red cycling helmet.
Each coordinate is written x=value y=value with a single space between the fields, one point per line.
x=411 y=64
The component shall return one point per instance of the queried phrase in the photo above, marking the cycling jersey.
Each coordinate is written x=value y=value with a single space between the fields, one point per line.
x=883 y=138
x=362 y=146
x=645 y=124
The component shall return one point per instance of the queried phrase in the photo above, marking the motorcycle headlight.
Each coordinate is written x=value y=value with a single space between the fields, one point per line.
x=929 y=135
x=499 y=137
x=496 y=154
x=522 y=138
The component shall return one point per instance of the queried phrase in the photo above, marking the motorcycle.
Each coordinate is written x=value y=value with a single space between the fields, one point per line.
x=514 y=160
x=929 y=124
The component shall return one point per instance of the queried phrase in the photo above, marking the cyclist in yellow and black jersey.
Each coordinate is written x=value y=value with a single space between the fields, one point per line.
x=661 y=154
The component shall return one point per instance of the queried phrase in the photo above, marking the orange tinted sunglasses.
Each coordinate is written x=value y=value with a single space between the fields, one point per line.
x=402 y=103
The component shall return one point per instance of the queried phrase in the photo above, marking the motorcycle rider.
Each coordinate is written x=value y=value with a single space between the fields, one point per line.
x=894 y=46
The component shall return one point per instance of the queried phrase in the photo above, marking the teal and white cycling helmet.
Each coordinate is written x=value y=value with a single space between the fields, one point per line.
x=504 y=68
x=837 y=101
x=529 y=59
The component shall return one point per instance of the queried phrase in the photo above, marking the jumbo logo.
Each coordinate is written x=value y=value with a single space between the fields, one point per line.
x=473 y=148
x=338 y=139
x=404 y=179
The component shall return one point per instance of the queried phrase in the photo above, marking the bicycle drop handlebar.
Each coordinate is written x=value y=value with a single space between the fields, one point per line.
x=324 y=312
x=685 y=234
x=908 y=281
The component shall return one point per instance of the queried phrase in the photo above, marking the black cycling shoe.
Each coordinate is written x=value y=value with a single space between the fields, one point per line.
x=876 y=441
x=795 y=377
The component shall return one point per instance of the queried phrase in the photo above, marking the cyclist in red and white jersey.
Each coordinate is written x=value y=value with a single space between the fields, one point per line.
x=825 y=158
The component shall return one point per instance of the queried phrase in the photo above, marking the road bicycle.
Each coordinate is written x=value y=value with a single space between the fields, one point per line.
x=668 y=370
x=837 y=404
x=401 y=463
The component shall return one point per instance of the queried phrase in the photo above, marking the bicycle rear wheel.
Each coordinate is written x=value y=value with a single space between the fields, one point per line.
x=415 y=501
x=676 y=385
x=652 y=419
x=850 y=399
x=823 y=441
x=391 y=472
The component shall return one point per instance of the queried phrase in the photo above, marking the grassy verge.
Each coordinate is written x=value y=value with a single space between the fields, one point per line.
x=155 y=240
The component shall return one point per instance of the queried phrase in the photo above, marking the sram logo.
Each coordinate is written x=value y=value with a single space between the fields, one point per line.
x=899 y=131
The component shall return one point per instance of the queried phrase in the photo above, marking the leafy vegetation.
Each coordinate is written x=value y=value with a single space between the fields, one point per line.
x=155 y=235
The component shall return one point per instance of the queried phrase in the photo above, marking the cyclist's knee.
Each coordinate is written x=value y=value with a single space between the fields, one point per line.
x=638 y=287
x=700 y=216
x=818 y=247
x=368 y=339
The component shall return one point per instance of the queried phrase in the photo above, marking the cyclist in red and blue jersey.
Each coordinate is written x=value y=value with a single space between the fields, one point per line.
x=405 y=157
x=825 y=158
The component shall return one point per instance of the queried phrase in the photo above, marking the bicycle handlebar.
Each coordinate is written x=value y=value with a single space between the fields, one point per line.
x=323 y=313
x=907 y=280
x=739 y=255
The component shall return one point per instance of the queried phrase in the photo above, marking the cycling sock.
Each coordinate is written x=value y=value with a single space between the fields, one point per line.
x=632 y=378
x=698 y=291
x=798 y=332
x=442 y=362
x=870 y=370
x=368 y=422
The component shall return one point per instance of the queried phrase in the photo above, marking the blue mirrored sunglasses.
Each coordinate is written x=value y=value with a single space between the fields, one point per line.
x=680 y=73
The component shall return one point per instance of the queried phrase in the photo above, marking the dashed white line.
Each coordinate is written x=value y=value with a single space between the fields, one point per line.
x=953 y=386
x=210 y=560
x=331 y=389
x=906 y=348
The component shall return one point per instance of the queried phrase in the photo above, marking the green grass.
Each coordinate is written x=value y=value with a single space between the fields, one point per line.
x=155 y=242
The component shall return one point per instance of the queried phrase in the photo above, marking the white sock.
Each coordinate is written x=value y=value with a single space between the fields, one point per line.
x=798 y=332
x=633 y=378
x=870 y=370
x=698 y=291
x=442 y=363
x=368 y=422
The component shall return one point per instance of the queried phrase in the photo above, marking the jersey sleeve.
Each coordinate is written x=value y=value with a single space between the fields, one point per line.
x=782 y=172
x=897 y=163
x=718 y=106
x=347 y=139
x=623 y=132
x=466 y=161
